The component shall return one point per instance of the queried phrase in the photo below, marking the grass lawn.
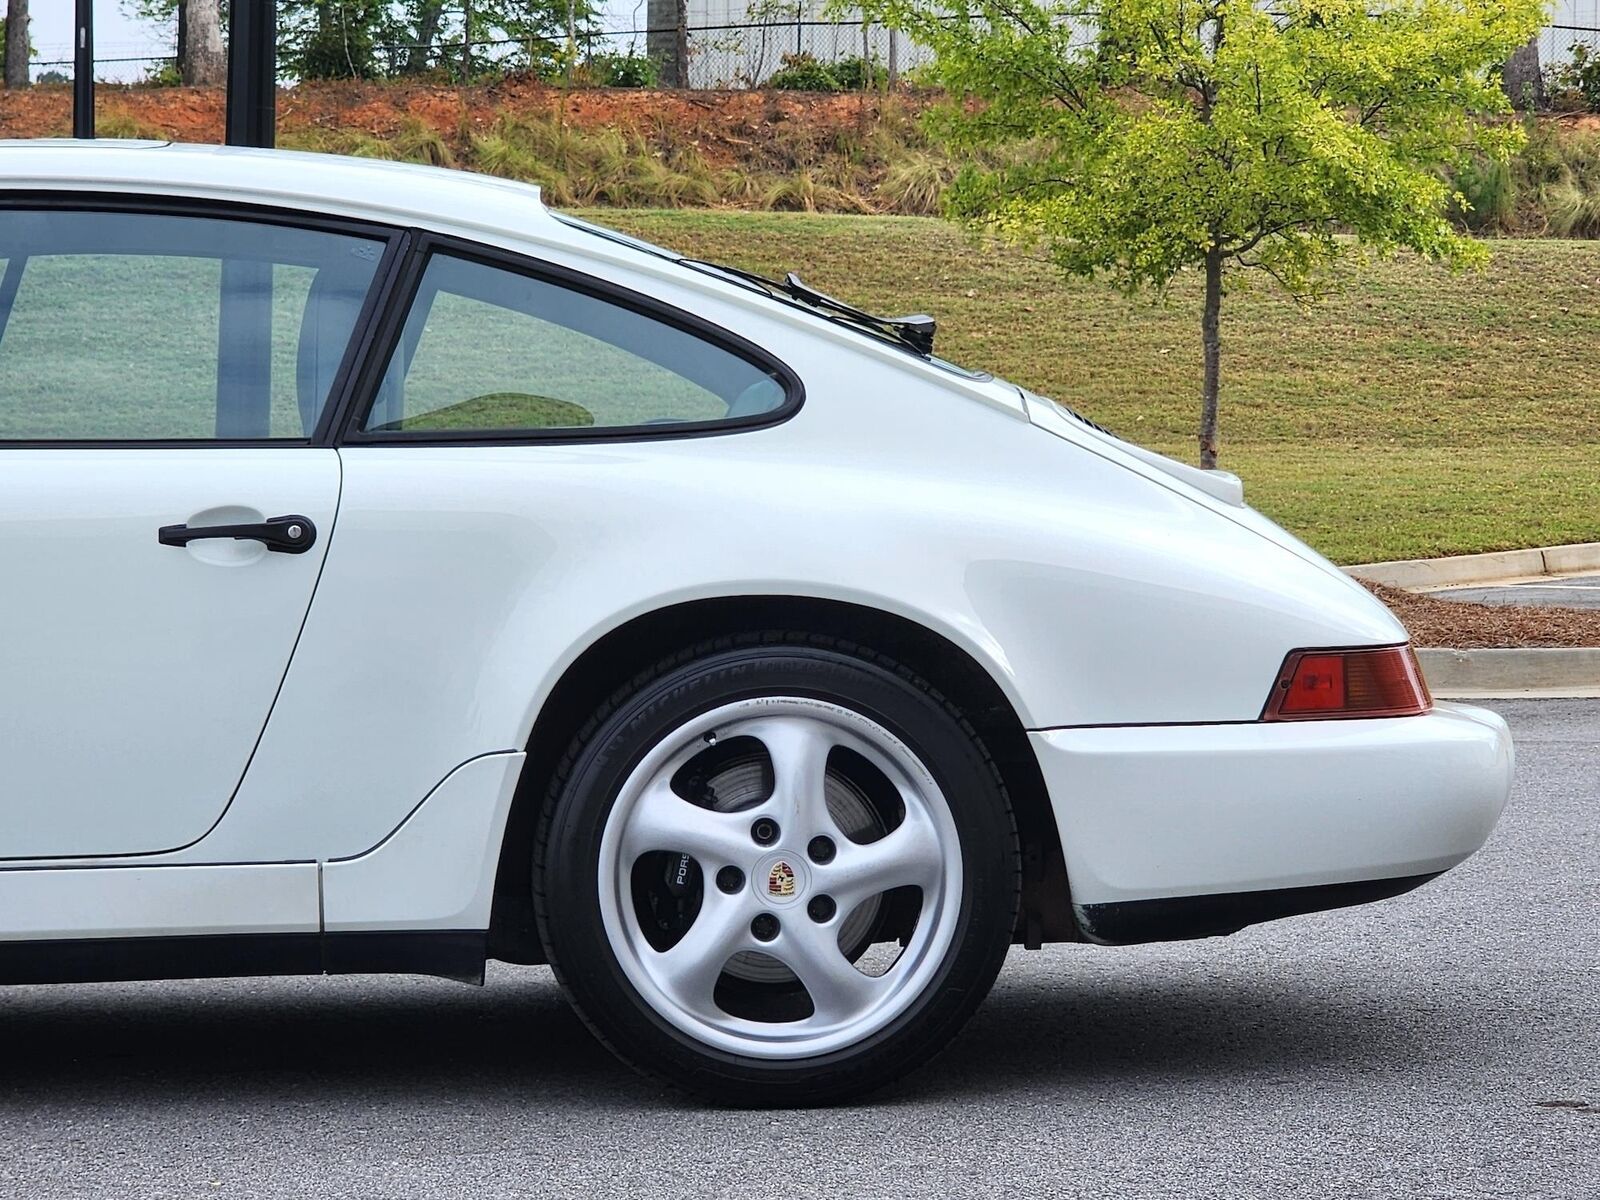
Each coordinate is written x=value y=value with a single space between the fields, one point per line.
x=1413 y=413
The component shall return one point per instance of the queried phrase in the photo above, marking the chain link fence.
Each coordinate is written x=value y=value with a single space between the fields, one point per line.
x=729 y=44
x=1573 y=23
x=743 y=43
x=749 y=54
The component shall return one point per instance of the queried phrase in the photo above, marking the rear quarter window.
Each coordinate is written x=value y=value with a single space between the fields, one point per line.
x=486 y=349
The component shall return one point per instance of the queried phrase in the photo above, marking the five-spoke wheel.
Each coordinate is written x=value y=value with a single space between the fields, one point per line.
x=780 y=863
x=840 y=839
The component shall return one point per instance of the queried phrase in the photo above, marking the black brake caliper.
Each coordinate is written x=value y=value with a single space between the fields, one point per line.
x=682 y=876
x=671 y=896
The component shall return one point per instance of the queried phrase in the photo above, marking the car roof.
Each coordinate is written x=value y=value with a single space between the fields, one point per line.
x=403 y=193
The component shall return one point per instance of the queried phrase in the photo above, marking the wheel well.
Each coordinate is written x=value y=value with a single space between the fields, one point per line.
x=1046 y=910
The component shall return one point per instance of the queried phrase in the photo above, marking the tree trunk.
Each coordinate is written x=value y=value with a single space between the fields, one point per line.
x=1211 y=318
x=680 y=40
x=203 y=62
x=429 y=17
x=17 y=43
x=662 y=42
x=1211 y=339
x=1522 y=78
x=572 y=38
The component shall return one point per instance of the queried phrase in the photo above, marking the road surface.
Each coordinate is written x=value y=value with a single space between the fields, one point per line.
x=1443 y=1044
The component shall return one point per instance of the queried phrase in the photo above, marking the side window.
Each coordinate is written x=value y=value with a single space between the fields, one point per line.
x=142 y=326
x=486 y=349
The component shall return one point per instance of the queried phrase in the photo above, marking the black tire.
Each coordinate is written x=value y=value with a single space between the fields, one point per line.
x=615 y=739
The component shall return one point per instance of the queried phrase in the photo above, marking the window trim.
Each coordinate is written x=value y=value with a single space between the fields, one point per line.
x=396 y=242
x=404 y=295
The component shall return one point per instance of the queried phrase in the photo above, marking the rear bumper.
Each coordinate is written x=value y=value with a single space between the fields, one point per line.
x=1190 y=830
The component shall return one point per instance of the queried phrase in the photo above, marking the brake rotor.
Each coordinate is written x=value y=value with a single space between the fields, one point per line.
x=746 y=783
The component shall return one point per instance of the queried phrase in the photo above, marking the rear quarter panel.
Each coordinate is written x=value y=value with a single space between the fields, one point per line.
x=463 y=580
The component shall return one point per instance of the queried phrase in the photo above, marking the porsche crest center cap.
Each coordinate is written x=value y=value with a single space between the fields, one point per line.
x=781 y=878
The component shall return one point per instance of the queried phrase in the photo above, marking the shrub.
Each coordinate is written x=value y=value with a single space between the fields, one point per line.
x=1490 y=194
x=162 y=73
x=119 y=123
x=915 y=182
x=1582 y=75
x=624 y=70
x=803 y=73
x=356 y=143
x=1560 y=174
x=857 y=74
x=1572 y=209
x=417 y=141
x=1552 y=186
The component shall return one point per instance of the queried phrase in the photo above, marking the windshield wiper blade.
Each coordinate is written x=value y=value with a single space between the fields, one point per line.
x=915 y=332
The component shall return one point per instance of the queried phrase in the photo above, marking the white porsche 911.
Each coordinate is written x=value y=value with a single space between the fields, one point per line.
x=400 y=575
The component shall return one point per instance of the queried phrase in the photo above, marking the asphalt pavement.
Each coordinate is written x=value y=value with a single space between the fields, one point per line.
x=1562 y=591
x=1443 y=1044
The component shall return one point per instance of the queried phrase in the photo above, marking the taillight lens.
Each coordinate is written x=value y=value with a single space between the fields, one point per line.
x=1319 y=685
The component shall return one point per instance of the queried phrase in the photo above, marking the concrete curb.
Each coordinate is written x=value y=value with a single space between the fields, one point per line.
x=1552 y=672
x=1462 y=569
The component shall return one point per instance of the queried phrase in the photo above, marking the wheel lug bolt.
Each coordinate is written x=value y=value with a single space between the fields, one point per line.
x=820 y=849
x=764 y=927
x=765 y=831
x=730 y=879
x=821 y=909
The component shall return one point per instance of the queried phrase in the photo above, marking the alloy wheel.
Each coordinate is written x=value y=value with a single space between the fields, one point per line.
x=780 y=877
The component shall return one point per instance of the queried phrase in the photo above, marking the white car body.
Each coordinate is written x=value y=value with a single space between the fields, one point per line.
x=204 y=746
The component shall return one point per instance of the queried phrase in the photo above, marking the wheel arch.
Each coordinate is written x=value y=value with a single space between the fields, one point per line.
x=1045 y=913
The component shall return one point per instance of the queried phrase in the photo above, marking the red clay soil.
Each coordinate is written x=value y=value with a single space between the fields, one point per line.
x=1587 y=122
x=1459 y=626
x=727 y=127
x=722 y=125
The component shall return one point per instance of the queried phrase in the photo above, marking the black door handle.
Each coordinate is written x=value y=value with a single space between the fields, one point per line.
x=285 y=535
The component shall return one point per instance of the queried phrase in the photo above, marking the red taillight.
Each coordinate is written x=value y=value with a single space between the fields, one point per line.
x=1322 y=684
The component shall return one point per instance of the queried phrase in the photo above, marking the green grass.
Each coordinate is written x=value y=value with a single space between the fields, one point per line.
x=1415 y=412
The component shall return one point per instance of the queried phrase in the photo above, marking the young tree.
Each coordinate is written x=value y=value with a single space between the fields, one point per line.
x=335 y=39
x=17 y=49
x=1155 y=136
x=330 y=39
x=421 y=25
x=541 y=29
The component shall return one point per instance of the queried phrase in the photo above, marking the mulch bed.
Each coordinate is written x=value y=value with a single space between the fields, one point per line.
x=1462 y=626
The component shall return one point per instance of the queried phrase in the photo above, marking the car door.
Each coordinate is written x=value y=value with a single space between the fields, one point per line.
x=165 y=504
